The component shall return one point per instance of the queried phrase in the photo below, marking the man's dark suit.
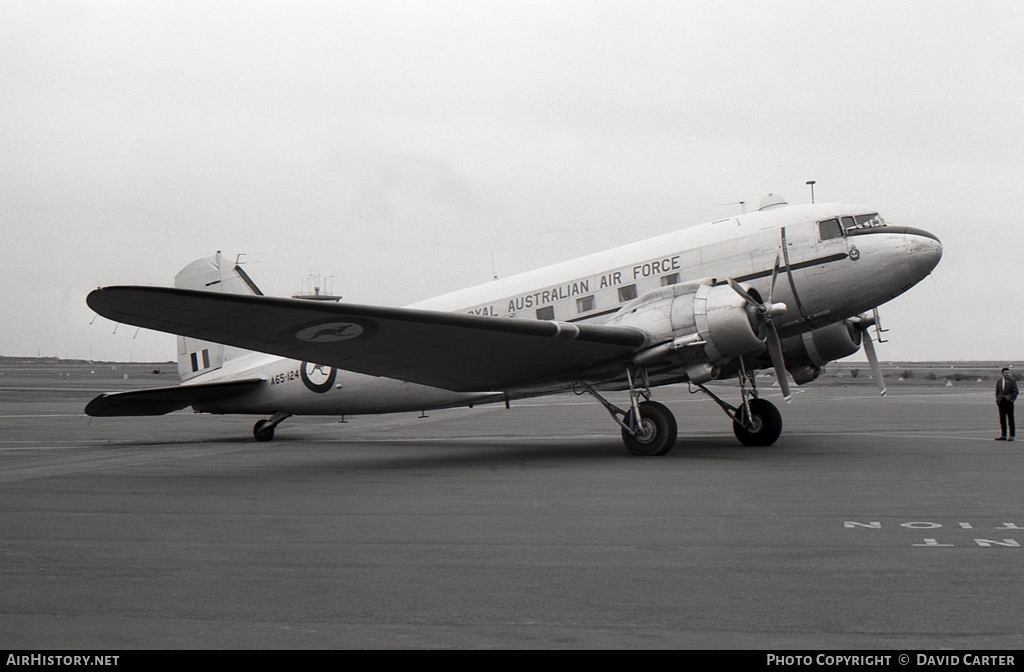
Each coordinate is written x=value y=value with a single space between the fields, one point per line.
x=1006 y=394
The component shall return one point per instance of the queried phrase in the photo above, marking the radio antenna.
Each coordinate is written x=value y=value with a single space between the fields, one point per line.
x=742 y=204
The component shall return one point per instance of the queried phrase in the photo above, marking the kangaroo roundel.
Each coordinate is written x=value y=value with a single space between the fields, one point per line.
x=318 y=377
x=330 y=332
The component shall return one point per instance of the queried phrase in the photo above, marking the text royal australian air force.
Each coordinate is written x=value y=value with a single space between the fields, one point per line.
x=601 y=283
x=604 y=281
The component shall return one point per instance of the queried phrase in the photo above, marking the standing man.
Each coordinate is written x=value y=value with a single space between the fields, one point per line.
x=1006 y=394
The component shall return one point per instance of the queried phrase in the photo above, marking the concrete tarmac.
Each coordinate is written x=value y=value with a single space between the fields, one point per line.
x=873 y=523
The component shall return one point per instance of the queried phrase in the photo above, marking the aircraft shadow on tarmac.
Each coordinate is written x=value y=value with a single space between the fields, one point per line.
x=462 y=453
x=458 y=452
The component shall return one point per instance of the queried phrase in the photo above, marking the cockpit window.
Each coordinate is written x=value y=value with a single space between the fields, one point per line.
x=870 y=221
x=830 y=229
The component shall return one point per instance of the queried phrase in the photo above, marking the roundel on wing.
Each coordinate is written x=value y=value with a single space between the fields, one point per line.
x=329 y=332
x=317 y=377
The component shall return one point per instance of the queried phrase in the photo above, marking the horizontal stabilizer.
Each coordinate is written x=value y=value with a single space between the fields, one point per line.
x=162 y=400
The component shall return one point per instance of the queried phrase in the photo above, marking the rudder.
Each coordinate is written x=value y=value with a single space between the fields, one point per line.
x=197 y=357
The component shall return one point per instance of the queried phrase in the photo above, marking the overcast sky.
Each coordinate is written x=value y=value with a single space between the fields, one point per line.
x=396 y=146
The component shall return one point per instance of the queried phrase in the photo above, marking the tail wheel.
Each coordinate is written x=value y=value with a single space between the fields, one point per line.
x=263 y=431
x=657 y=432
x=764 y=427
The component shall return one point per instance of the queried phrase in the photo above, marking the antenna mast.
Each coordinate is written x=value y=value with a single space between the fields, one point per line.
x=318 y=282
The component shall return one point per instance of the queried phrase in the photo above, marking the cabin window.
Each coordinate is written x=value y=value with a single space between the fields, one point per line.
x=672 y=279
x=847 y=223
x=627 y=293
x=546 y=313
x=195 y=362
x=829 y=229
x=585 y=304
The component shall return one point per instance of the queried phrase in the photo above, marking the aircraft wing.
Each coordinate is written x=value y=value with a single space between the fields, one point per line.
x=454 y=351
x=161 y=400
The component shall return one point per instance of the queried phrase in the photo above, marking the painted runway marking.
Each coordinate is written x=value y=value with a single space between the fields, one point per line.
x=935 y=542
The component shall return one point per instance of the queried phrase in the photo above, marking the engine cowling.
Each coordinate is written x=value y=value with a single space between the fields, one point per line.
x=807 y=353
x=698 y=325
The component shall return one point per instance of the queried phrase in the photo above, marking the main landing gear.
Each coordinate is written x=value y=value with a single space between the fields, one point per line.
x=756 y=422
x=263 y=430
x=649 y=428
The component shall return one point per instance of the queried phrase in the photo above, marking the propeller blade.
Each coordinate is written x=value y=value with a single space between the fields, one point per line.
x=876 y=369
x=775 y=350
x=775 y=274
x=766 y=312
x=742 y=292
x=878 y=325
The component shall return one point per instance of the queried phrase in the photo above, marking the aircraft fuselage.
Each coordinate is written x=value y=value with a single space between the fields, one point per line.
x=834 y=262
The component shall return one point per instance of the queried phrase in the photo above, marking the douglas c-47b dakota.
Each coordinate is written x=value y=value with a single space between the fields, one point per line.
x=787 y=287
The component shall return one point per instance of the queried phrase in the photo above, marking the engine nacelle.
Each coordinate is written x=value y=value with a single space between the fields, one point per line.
x=807 y=353
x=697 y=325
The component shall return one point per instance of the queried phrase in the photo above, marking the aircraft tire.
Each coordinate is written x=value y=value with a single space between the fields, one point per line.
x=769 y=422
x=262 y=432
x=660 y=435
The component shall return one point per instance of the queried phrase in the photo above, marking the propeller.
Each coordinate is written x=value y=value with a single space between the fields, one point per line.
x=766 y=313
x=863 y=322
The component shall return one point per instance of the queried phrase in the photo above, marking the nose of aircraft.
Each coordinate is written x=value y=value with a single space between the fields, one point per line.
x=925 y=251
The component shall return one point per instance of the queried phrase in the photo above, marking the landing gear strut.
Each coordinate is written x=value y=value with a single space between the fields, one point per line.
x=756 y=422
x=648 y=428
x=263 y=430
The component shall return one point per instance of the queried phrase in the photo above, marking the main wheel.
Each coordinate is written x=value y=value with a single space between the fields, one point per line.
x=657 y=431
x=766 y=424
x=262 y=431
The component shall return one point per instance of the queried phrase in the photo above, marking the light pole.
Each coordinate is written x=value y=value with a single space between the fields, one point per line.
x=811 y=184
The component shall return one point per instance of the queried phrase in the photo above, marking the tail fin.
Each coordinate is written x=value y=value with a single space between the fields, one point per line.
x=197 y=357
